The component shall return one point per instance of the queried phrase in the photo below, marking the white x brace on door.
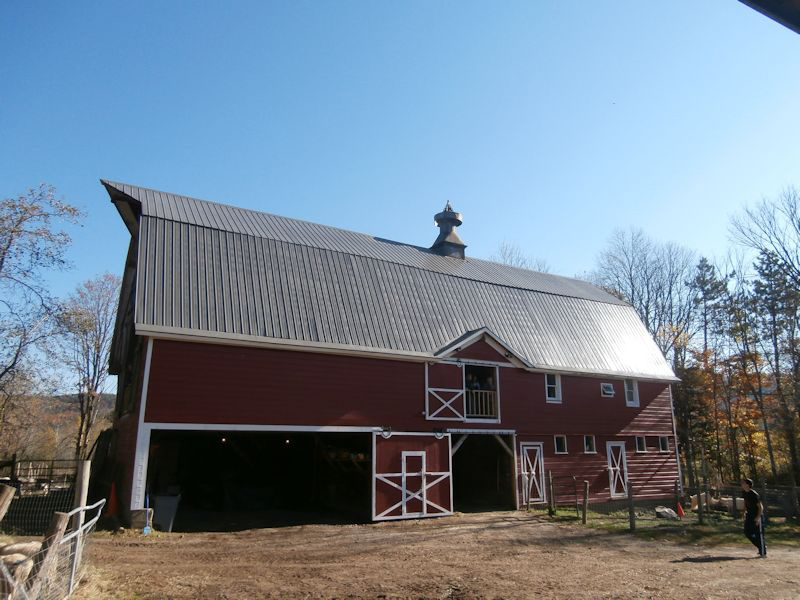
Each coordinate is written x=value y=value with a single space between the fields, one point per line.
x=617 y=469
x=533 y=490
x=411 y=476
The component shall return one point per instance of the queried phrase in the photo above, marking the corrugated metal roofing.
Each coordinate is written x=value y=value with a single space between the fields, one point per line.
x=208 y=267
x=264 y=225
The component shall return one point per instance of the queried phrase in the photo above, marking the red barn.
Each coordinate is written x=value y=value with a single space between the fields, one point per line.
x=266 y=362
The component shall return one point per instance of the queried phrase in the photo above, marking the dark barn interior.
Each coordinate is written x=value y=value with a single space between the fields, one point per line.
x=483 y=474
x=239 y=480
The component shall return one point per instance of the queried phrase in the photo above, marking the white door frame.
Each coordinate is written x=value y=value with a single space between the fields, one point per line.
x=408 y=495
x=529 y=481
x=617 y=473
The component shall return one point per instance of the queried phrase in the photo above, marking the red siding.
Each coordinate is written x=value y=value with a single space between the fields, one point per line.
x=652 y=474
x=582 y=409
x=206 y=383
x=480 y=350
x=445 y=376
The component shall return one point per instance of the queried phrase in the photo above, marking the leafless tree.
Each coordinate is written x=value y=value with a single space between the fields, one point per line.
x=655 y=279
x=87 y=326
x=510 y=253
x=773 y=227
x=32 y=242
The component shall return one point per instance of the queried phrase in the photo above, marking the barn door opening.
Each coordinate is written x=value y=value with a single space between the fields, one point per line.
x=231 y=480
x=483 y=472
x=617 y=469
x=533 y=488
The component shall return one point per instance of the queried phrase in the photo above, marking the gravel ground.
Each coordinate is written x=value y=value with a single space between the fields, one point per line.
x=486 y=555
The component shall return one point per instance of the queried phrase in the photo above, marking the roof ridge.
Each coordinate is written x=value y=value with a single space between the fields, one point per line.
x=553 y=278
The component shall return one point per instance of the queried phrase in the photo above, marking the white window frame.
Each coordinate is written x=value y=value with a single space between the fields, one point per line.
x=644 y=444
x=661 y=446
x=555 y=443
x=635 y=389
x=547 y=386
x=607 y=386
x=594 y=444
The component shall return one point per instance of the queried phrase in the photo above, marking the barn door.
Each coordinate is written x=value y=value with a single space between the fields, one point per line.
x=411 y=476
x=533 y=490
x=617 y=469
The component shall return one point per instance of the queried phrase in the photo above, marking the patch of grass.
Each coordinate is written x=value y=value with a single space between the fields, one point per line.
x=718 y=529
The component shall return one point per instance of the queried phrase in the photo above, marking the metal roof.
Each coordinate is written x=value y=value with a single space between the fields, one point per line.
x=207 y=267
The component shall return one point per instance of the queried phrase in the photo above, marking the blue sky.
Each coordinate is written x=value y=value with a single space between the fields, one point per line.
x=545 y=123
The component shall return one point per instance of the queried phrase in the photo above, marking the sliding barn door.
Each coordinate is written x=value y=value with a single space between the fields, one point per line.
x=411 y=476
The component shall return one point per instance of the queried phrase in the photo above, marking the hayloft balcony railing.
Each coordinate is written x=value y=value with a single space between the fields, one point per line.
x=481 y=404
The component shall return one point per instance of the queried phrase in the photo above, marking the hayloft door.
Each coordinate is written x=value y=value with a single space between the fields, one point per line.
x=532 y=473
x=617 y=469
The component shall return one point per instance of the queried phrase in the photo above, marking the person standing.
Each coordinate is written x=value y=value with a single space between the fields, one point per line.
x=754 y=517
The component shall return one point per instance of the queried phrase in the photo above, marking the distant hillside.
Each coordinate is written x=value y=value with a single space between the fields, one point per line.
x=69 y=402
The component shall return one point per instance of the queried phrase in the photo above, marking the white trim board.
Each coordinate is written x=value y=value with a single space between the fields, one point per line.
x=142 y=452
x=230 y=427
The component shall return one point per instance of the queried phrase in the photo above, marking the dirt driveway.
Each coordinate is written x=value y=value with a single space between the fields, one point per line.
x=488 y=555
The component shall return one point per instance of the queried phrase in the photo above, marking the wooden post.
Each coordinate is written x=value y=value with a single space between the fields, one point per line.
x=81 y=490
x=585 y=501
x=677 y=494
x=631 y=511
x=6 y=496
x=552 y=507
x=700 y=508
x=47 y=557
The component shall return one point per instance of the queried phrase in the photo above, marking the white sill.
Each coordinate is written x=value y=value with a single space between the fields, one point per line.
x=592 y=452
x=607 y=396
x=641 y=452
x=471 y=420
x=631 y=405
x=562 y=452
x=553 y=401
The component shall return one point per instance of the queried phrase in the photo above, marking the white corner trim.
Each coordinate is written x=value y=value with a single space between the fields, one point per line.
x=142 y=439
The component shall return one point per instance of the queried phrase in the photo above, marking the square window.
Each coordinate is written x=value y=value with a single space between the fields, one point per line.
x=561 y=444
x=641 y=443
x=552 y=387
x=607 y=390
x=631 y=393
x=663 y=443
x=588 y=444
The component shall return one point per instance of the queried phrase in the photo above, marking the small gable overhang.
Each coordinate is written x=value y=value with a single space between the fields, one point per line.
x=459 y=348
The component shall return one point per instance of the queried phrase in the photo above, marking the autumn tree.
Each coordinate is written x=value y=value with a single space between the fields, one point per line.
x=33 y=242
x=777 y=306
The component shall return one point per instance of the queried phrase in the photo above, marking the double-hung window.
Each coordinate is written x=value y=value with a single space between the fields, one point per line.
x=560 y=443
x=552 y=387
x=663 y=443
x=588 y=445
